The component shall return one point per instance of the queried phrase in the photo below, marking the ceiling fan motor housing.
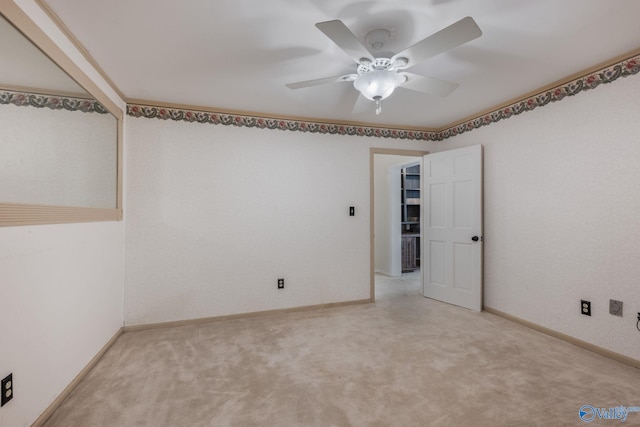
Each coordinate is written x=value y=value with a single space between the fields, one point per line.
x=367 y=66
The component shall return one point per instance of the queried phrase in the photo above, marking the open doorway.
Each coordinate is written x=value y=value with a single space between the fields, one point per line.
x=395 y=222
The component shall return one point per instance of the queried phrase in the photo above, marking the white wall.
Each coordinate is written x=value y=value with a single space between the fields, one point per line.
x=217 y=213
x=61 y=294
x=561 y=213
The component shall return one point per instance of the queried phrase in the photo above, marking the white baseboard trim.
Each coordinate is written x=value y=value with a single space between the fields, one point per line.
x=68 y=389
x=146 y=326
x=568 y=338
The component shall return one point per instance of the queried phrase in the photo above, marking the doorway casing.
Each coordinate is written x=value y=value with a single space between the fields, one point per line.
x=372 y=250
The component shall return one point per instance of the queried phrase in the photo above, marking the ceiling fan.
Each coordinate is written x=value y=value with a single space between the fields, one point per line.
x=376 y=77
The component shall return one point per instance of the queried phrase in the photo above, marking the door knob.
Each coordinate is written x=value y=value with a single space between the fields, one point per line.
x=475 y=238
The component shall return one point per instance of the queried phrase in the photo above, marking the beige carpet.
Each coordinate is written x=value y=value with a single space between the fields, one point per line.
x=404 y=361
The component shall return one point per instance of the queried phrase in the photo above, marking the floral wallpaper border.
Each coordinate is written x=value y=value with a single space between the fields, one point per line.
x=26 y=99
x=178 y=114
x=608 y=74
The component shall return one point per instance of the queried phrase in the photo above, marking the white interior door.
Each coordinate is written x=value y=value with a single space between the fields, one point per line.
x=452 y=227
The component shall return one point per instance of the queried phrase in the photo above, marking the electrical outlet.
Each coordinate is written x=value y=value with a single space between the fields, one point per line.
x=585 y=307
x=280 y=283
x=615 y=307
x=7 y=389
x=352 y=211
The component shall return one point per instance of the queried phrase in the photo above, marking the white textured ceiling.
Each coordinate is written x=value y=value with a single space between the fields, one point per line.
x=238 y=55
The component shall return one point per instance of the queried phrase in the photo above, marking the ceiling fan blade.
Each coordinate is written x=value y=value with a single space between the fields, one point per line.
x=345 y=39
x=429 y=85
x=362 y=104
x=323 y=81
x=452 y=36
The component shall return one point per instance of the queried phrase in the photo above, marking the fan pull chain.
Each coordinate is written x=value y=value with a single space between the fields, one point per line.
x=378 y=105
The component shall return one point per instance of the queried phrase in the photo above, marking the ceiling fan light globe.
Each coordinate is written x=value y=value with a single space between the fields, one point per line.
x=378 y=84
